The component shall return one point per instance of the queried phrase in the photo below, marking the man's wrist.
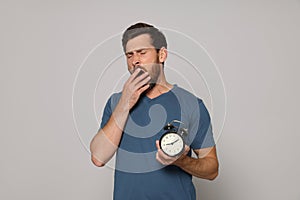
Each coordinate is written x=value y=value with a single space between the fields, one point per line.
x=123 y=105
x=180 y=162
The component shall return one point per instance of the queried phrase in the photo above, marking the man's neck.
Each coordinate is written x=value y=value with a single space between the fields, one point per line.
x=159 y=89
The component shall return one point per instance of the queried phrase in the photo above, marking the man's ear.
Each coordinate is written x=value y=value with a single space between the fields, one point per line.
x=162 y=54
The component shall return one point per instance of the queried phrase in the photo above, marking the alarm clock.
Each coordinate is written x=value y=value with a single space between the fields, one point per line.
x=172 y=141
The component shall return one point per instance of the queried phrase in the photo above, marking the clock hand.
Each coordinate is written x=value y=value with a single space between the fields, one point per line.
x=175 y=141
x=172 y=142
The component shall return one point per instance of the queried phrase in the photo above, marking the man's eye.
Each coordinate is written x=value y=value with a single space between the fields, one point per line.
x=143 y=52
x=129 y=55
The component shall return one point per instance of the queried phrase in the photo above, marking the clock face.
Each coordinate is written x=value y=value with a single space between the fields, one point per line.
x=171 y=144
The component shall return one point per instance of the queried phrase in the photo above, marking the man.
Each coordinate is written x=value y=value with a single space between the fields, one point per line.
x=133 y=122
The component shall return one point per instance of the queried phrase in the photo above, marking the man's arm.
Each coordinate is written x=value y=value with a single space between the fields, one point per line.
x=106 y=141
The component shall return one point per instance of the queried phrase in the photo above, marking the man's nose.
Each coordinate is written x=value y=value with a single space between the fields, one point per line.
x=136 y=60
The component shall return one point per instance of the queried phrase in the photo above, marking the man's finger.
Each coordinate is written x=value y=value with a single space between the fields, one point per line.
x=142 y=82
x=144 y=88
x=157 y=144
x=159 y=159
x=134 y=74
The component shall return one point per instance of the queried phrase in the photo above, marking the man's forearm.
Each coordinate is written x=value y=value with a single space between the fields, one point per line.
x=106 y=141
x=206 y=168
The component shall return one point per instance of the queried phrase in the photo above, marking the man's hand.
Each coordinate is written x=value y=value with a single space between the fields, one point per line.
x=134 y=87
x=167 y=160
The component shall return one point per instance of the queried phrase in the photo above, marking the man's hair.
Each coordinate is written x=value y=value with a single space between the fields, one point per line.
x=158 y=38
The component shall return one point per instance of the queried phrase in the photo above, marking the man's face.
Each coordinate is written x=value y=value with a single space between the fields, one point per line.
x=141 y=53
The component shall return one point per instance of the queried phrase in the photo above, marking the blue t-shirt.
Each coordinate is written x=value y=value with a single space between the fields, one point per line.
x=138 y=175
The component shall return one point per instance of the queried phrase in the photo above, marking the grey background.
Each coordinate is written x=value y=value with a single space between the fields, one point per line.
x=254 y=43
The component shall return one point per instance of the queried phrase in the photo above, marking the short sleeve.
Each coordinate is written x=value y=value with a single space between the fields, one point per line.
x=106 y=113
x=200 y=128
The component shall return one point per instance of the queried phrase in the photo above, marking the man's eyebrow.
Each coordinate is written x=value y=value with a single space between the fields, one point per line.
x=129 y=52
x=137 y=50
